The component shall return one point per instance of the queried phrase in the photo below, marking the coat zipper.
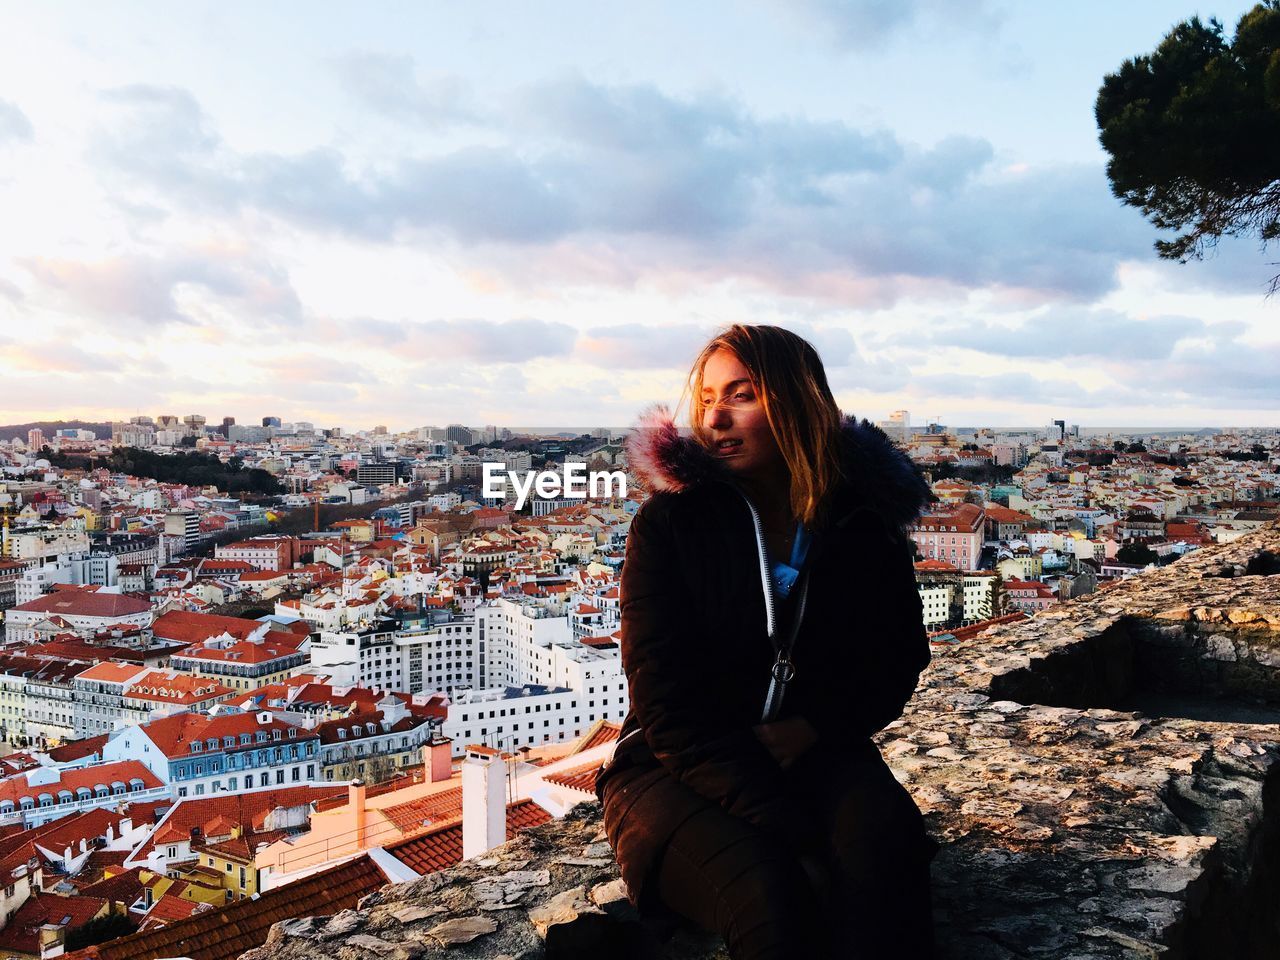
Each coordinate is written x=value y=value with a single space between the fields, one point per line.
x=766 y=581
x=783 y=669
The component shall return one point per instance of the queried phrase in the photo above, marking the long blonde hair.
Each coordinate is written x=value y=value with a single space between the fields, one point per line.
x=790 y=380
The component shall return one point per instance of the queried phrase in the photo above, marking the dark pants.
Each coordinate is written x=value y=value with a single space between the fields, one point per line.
x=872 y=898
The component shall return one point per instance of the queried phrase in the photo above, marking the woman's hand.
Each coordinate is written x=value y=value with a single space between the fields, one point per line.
x=786 y=740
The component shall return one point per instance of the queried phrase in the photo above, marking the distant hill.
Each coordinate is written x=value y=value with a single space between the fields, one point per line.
x=101 y=430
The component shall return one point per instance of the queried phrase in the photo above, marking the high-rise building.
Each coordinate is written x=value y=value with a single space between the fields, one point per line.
x=898 y=426
x=459 y=434
x=271 y=422
x=227 y=424
x=194 y=424
x=35 y=439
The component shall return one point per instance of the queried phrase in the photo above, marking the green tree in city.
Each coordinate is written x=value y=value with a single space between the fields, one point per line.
x=1193 y=133
x=1136 y=553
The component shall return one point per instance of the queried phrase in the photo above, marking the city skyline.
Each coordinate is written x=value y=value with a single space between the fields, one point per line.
x=474 y=214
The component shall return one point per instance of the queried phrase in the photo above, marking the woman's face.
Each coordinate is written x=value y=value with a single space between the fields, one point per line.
x=733 y=416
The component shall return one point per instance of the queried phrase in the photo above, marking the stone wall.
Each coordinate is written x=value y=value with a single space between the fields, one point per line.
x=1101 y=778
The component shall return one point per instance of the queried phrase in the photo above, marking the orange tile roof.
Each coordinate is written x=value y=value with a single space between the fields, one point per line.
x=936 y=566
x=74 y=603
x=244 y=924
x=169 y=909
x=603 y=732
x=274 y=645
x=245 y=809
x=22 y=933
x=175 y=734
x=123 y=888
x=441 y=846
x=434 y=808
x=78 y=749
x=170 y=686
x=112 y=672
x=190 y=627
x=91 y=777
x=577 y=778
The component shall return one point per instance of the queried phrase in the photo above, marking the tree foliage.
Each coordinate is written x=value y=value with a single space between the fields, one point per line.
x=1136 y=553
x=193 y=469
x=1193 y=132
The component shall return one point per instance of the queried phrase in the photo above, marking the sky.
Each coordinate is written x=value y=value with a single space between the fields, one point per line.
x=514 y=213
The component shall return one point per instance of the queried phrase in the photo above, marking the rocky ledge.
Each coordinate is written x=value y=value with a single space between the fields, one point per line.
x=1101 y=778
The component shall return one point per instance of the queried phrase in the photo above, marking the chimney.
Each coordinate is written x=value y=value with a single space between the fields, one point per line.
x=52 y=941
x=484 y=800
x=355 y=800
x=439 y=759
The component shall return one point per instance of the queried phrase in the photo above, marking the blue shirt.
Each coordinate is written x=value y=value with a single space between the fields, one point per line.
x=784 y=574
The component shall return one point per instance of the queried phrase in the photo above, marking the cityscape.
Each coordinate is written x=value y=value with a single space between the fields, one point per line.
x=207 y=695
x=326 y=332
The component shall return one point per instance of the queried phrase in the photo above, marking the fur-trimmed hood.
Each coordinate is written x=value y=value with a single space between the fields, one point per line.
x=881 y=477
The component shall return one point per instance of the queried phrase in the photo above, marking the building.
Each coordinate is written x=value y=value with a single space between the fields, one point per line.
x=376 y=473
x=49 y=704
x=372 y=746
x=954 y=535
x=43 y=543
x=262 y=553
x=230 y=750
x=183 y=529
x=268 y=656
x=1030 y=596
x=43 y=794
x=98 y=702
x=86 y=611
x=422 y=652
x=156 y=692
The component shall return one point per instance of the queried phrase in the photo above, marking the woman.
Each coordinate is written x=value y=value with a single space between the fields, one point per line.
x=770 y=626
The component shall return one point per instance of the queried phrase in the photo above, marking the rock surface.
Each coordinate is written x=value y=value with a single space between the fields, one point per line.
x=1101 y=778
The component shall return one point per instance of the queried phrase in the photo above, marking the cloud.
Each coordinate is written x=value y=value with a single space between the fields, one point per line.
x=672 y=184
x=392 y=86
x=313 y=368
x=630 y=346
x=11 y=291
x=477 y=342
x=1221 y=374
x=1075 y=332
x=867 y=25
x=157 y=289
x=1018 y=387
x=14 y=125
x=58 y=357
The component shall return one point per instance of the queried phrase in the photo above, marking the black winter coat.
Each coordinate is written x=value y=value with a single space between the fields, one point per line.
x=696 y=651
